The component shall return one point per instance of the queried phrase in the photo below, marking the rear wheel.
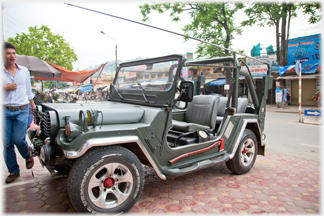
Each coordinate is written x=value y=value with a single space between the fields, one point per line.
x=245 y=155
x=106 y=180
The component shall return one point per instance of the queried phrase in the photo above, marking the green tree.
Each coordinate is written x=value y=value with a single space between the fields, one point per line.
x=279 y=15
x=50 y=47
x=49 y=85
x=212 y=22
x=53 y=85
x=61 y=85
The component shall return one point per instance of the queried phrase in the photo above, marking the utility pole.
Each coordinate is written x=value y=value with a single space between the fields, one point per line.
x=3 y=6
x=300 y=86
x=115 y=46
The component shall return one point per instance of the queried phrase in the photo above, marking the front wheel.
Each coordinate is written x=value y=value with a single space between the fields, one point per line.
x=245 y=155
x=106 y=180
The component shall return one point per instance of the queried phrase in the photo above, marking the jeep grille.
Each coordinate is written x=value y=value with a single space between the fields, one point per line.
x=36 y=117
x=47 y=124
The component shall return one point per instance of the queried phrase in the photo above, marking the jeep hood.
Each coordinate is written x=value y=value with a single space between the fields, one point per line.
x=112 y=112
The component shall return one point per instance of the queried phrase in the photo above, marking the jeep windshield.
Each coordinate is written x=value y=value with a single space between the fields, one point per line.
x=147 y=81
x=154 y=77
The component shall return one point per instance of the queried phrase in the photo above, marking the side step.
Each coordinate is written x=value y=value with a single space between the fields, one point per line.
x=196 y=166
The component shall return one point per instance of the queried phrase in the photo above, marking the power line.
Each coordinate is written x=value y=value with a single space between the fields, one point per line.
x=16 y=20
x=13 y=27
x=14 y=24
x=6 y=30
x=175 y=33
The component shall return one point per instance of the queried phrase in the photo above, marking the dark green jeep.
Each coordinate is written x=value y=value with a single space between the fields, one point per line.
x=102 y=146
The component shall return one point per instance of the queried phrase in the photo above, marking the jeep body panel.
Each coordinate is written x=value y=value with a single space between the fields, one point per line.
x=139 y=117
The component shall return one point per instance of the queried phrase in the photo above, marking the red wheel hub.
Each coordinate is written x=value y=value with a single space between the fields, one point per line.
x=108 y=182
x=244 y=151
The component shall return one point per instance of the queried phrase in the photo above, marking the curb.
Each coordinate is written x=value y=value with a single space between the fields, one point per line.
x=312 y=120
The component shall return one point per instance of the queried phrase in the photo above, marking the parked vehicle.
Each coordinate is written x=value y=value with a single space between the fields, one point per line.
x=102 y=146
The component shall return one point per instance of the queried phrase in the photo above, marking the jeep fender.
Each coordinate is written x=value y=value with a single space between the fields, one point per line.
x=253 y=125
x=95 y=142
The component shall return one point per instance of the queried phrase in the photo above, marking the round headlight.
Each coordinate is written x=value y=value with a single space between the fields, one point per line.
x=46 y=153
x=83 y=120
x=92 y=116
x=89 y=116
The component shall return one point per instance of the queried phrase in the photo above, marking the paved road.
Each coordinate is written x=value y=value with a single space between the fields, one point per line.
x=284 y=181
x=275 y=185
x=286 y=135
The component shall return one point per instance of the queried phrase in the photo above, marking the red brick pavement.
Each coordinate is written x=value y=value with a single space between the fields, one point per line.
x=277 y=184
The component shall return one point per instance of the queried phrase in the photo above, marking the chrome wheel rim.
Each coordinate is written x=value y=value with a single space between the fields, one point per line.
x=110 y=185
x=247 y=152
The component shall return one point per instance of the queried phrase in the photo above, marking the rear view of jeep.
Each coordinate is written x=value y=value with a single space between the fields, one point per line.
x=153 y=118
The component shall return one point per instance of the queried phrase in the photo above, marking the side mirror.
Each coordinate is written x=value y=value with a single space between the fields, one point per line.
x=186 y=91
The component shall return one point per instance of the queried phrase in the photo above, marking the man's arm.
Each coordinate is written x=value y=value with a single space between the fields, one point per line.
x=30 y=95
x=32 y=104
x=10 y=86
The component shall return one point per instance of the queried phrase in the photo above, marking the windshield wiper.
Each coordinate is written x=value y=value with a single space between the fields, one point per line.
x=121 y=97
x=142 y=90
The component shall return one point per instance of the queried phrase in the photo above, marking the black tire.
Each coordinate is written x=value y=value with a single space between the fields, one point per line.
x=113 y=174
x=63 y=169
x=245 y=155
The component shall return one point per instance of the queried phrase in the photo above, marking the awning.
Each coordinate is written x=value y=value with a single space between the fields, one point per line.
x=99 y=88
x=59 y=91
x=218 y=82
x=86 y=88
x=308 y=70
x=70 y=76
x=71 y=89
x=314 y=76
x=209 y=80
x=38 y=67
x=160 y=80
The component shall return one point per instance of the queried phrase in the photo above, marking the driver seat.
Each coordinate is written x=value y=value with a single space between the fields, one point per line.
x=200 y=114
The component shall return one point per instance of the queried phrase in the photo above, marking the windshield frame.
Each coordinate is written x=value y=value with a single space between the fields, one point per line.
x=147 y=77
x=154 y=97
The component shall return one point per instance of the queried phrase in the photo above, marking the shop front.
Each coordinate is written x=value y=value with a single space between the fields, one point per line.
x=306 y=51
x=310 y=84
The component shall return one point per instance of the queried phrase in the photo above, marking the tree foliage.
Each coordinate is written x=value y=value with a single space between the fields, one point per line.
x=212 y=22
x=279 y=15
x=312 y=9
x=53 y=85
x=50 y=47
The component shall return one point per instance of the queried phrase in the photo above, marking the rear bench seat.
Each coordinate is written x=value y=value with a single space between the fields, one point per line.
x=241 y=107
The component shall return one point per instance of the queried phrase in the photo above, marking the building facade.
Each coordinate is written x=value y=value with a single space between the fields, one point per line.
x=305 y=49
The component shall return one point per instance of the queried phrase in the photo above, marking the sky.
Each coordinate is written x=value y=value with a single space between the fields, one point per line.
x=81 y=29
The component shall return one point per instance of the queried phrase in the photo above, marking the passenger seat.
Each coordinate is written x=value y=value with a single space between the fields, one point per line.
x=200 y=114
